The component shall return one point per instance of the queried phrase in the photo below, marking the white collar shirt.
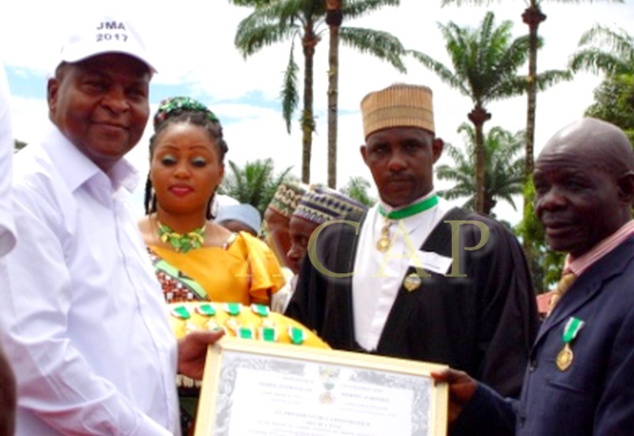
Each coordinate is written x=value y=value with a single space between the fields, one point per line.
x=378 y=276
x=84 y=320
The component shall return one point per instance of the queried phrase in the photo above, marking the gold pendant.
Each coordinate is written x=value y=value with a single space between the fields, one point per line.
x=412 y=282
x=565 y=357
x=383 y=244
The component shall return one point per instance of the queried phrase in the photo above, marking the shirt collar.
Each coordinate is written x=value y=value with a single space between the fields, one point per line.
x=389 y=208
x=64 y=154
x=580 y=264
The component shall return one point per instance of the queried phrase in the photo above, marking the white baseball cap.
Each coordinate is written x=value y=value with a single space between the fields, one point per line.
x=105 y=34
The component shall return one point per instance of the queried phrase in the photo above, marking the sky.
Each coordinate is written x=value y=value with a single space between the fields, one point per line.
x=191 y=42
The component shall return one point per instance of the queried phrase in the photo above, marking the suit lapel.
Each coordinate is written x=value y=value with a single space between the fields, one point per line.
x=586 y=286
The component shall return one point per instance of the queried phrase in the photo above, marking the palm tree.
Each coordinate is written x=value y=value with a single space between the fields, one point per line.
x=485 y=63
x=609 y=51
x=334 y=17
x=533 y=17
x=357 y=189
x=304 y=20
x=255 y=184
x=605 y=50
x=504 y=169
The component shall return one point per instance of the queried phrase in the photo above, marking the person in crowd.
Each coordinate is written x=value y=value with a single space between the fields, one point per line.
x=413 y=277
x=581 y=371
x=195 y=258
x=275 y=233
x=277 y=218
x=316 y=207
x=83 y=317
x=7 y=242
x=241 y=217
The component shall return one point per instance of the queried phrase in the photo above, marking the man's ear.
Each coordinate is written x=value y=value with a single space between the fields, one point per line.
x=52 y=92
x=625 y=185
x=437 y=146
x=364 y=153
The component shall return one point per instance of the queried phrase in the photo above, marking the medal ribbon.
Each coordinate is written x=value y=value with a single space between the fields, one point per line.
x=419 y=207
x=571 y=329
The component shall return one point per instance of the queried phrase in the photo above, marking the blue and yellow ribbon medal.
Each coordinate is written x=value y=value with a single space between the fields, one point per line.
x=571 y=330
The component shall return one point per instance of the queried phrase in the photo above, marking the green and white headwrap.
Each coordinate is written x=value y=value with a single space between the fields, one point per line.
x=175 y=105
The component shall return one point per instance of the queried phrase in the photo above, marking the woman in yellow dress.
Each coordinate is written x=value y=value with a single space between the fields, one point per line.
x=195 y=259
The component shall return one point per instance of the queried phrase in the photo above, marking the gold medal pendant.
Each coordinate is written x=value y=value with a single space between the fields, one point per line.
x=383 y=244
x=565 y=357
x=412 y=282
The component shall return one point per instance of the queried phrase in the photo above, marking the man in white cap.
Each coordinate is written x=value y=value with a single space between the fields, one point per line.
x=84 y=320
x=413 y=277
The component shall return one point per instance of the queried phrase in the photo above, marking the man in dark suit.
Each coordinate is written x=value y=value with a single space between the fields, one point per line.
x=581 y=373
x=399 y=280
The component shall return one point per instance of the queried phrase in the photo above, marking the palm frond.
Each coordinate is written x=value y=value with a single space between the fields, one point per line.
x=383 y=45
x=290 y=92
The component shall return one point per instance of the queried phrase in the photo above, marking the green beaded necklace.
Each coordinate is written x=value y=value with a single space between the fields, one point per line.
x=181 y=243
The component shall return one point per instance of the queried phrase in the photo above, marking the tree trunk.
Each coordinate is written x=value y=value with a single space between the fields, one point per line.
x=333 y=19
x=532 y=16
x=478 y=116
x=308 y=121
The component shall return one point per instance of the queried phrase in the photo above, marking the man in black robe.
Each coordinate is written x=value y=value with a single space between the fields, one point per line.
x=413 y=277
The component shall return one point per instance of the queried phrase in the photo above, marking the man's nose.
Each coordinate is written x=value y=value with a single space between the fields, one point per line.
x=397 y=161
x=115 y=100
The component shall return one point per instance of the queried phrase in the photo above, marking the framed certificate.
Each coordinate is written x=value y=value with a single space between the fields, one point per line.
x=258 y=388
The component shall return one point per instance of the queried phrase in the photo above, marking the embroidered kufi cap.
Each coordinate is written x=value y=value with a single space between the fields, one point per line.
x=104 y=34
x=322 y=204
x=243 y=212
x=398 y=105
x=287 y=198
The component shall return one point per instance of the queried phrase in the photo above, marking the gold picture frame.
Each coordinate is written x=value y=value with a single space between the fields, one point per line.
x=252 y=387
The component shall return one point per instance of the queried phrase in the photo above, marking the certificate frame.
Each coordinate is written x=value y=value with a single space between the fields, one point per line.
x=254 y=387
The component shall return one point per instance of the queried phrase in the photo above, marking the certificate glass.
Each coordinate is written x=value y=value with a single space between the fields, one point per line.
x=254 y=388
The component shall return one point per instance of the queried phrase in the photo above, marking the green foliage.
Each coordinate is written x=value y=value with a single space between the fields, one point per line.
x=606 y=50
x=255 y=184
x=504 y=167
x=484 y=60
x=485 y=63
x=357 y=189
x=614 y=102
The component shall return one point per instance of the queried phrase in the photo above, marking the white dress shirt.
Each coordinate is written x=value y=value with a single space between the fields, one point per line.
x=7 y=229
x=84 y=319
x=378 y=276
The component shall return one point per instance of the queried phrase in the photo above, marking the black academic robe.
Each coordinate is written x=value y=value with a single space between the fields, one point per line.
x=483 y=323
